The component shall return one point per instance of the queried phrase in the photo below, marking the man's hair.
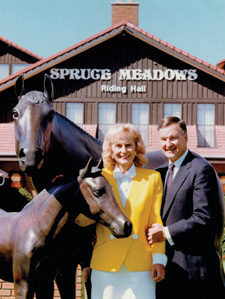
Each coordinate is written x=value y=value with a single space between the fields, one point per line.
x=165 y=122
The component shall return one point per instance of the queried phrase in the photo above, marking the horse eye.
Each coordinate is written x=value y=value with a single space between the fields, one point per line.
x=98 y=192
x=15 y=113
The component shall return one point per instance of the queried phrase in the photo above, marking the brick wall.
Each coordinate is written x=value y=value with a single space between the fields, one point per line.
x=7 y=289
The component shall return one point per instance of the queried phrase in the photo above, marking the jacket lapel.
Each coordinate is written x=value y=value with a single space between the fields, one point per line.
x=177 y=182
x=163 y=170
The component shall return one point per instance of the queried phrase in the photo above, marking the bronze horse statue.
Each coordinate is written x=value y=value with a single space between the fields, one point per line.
x=31 y=240
x=48 y=144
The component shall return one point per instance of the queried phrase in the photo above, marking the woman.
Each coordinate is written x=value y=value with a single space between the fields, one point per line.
x=128 y=268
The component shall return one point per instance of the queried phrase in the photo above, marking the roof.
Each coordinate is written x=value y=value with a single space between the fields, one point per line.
x=105 y=35
x=12 y=44
x=7 y=140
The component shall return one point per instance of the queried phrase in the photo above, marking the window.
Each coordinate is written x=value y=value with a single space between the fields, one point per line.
x=74 y=111
x=206 y=125
x=172 y=110
x=19 y=67
x=140 y=119
x=4 y=71
x=106 y=118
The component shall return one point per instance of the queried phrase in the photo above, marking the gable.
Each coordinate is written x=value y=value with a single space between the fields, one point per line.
x=11 y=52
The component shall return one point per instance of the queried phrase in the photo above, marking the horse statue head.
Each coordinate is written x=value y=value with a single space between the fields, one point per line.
x=33 y=116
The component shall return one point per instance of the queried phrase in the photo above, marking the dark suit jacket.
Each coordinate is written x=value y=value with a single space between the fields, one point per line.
x=194 y=215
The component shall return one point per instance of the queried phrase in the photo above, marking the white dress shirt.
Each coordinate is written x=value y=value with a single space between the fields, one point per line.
x=124 y=182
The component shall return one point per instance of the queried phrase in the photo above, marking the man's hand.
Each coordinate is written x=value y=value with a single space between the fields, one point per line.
x=158 y=272
x=155 y=233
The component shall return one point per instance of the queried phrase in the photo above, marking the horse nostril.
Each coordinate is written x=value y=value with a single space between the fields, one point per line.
x=31 y=155
x=127 y=228
x=22 y=154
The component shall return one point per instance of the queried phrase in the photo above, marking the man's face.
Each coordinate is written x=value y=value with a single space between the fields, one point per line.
x=173 y=142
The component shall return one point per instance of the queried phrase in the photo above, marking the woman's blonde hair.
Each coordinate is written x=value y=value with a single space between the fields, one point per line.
x=111 y=137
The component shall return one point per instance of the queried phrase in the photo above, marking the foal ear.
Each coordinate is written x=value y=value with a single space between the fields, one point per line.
x=19 y=87
x=83 y=171
x=48 y=88
x=100 y=164
x=98 y=167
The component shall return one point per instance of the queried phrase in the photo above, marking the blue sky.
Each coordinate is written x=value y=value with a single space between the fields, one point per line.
x=46 y=27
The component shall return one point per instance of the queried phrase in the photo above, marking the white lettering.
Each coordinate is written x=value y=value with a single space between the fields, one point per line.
x=74 y=74
x=54 y=74
x=95 y=74
x=125 y=74
x=106 y=74
x=158 y=75
x=134 y=88
x=192 y=75
x=63 y=73
x=85 y=74
x=113 y=88
x=147 y=75
x=137 y=74
x=169 y=74
x=180 y=74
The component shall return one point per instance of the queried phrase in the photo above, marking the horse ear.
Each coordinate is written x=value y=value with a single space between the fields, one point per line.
x=48 y=87
x=19 y=87
x=83 y=171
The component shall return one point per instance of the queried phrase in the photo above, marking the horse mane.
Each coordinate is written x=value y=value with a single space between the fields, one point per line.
x=78 y=128
x=36 y=97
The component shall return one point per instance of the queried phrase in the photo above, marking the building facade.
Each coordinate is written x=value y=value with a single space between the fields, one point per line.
x=122 y=74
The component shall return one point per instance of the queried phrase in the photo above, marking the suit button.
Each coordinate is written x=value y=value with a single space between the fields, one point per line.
x=135 y=236
x=111 y=237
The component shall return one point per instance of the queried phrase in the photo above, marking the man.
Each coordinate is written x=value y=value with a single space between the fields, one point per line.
x=193 y=218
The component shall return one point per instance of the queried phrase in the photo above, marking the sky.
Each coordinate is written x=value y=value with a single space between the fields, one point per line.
x=46 y=27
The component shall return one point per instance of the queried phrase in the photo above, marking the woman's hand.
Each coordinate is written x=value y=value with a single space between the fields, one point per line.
x=158 y=272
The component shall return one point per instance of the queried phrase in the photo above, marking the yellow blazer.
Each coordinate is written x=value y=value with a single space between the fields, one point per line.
x=143 y=209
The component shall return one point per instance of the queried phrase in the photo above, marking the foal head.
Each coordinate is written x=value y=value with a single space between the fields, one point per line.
x=102 y=203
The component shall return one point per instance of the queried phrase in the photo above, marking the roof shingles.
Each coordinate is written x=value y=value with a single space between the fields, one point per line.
x=7 y=139
x=10 y=43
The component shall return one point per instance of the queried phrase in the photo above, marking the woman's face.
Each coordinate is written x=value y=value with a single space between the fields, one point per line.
x=123 y=151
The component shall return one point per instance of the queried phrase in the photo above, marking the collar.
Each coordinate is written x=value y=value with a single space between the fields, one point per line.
x=180 y=160
x=131 y=173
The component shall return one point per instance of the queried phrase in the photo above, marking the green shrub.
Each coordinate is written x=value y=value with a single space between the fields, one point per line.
x=25 y=193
